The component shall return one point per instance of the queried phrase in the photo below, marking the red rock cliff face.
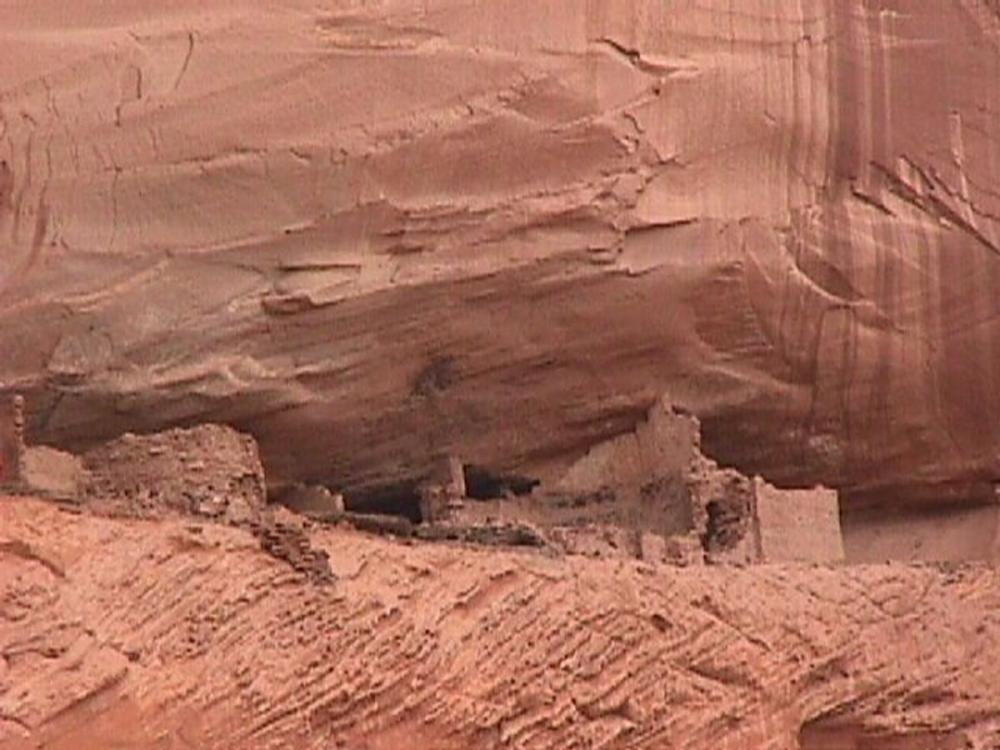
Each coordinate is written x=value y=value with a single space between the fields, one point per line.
x=372 y=232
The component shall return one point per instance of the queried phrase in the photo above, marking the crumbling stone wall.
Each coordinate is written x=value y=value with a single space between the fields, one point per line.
x=652 y=493
x=11 y=441
x=290 y=542
x=38 y=469
x=443 y=493
x=656 y=482
x=643 y=473
x=664 y=444
x=723 y=506
x=742 y=520
x=210 y=470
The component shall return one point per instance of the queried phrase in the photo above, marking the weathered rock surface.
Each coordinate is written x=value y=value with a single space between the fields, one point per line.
x=372 y=233
x=167 y=634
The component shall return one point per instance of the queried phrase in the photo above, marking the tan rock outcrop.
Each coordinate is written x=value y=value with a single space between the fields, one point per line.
x=914 y=534
x=499 y=229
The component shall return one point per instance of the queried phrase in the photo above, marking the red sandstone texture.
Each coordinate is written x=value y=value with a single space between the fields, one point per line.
x=174 y=634
x=166 y=605
x=634 y=365
x=371 y=233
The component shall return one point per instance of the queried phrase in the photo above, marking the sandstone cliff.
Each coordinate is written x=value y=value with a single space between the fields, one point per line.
x=370 y=233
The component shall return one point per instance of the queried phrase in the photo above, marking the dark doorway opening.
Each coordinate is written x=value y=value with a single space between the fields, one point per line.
x=394 y=499
x=483 y=484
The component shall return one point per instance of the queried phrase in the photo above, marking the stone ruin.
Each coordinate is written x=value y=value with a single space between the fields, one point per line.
x=653 y=494
x=35 y=469
x=649 y=494
x=11 y=442
x=210 y=471
x=443 y=494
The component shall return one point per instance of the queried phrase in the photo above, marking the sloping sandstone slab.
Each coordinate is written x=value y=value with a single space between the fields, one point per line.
x=171 y=635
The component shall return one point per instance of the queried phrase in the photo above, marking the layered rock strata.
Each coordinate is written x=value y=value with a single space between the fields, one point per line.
x=501 y=229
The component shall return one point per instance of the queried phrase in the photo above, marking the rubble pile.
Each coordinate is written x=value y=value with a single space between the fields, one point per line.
x=210 y=471
x=290 y=542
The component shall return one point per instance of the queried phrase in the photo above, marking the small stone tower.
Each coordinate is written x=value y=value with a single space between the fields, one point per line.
x=11 y=441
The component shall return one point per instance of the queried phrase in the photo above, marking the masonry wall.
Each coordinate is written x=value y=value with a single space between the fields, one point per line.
x=798 y=525
x=664 y=444
x=11 y=440
x=637 y=480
